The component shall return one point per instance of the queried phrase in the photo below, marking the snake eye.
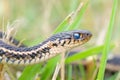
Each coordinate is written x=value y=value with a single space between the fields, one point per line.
x=77 y=36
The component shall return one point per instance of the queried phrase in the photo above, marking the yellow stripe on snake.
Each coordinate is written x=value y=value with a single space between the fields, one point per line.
x=49 y=48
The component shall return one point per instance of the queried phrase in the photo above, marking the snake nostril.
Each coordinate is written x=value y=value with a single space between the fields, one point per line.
x=87 y=34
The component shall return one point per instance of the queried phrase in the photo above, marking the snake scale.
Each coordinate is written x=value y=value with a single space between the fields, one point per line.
x=49 y=48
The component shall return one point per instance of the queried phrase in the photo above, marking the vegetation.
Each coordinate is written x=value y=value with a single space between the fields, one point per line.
x=39 y=19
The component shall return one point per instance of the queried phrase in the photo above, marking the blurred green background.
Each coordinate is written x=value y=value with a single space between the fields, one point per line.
x=37 y=19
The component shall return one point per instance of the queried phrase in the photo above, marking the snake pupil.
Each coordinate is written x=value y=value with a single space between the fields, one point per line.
x=76 y=35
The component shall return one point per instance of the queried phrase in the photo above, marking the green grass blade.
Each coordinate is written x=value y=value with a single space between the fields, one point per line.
x=49 y=68
x=73 y=5
x=63 y=26
x=69 y=72
x=79 y=13
x=82 y=70
x=32 y=72
x=107 y=43
x=86 y=53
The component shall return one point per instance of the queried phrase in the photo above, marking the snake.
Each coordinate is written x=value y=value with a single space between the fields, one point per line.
x=52 y=46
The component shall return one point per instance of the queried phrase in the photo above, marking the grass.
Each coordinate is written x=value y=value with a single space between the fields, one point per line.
x=87 y=13
x=106 y=48
x=86 y=53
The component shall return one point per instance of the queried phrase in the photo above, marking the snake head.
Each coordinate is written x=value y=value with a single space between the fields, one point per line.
x=64 y=41
x=75 y=38
x=70 y=39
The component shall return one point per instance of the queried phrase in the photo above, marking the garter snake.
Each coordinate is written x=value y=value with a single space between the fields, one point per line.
x=49 y=48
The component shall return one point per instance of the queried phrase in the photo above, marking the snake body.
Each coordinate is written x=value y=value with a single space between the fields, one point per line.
x=54 y=45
